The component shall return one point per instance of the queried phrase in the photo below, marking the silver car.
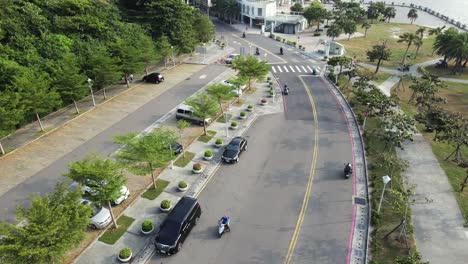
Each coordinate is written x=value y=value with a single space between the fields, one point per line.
x=100 y=217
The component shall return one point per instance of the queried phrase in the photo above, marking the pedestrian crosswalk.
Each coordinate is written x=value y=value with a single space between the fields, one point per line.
x=284 y=68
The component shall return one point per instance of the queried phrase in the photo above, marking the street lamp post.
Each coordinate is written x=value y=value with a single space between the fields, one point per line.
x=386 y=179
x=366 y=113
x=226 y=121
x=90 y=82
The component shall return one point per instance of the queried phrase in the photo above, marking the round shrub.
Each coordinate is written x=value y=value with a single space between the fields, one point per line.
x=317 y=34
x=146 y=226
x=125 y=253
x=166 y=204
x=233 y=123
x=182 y=184
x=268 y=78
x=250 y=106
x=197 y=166
x=243 y=113
x=263 y=100
x=208 y=153
x=219 y=141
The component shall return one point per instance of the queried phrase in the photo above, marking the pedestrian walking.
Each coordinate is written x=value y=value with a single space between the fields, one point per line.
x=131 y=77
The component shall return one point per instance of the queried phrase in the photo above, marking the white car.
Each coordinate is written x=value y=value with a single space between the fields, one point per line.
x=231 y=57
x=124 y=194
x=226 y=82
x=100 y=217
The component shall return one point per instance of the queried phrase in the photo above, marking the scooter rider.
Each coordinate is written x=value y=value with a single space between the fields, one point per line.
x=257 y=51
x=225 y=221
x=348 y=168
x=281 y=50
x=243 y=34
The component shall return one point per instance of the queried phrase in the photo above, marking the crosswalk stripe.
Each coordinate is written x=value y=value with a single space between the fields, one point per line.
x=309 y=69
x=279 y=69
x=292 y=69
x=304 y=68
x=273 y=68
x=298 y=69
x=285 y=68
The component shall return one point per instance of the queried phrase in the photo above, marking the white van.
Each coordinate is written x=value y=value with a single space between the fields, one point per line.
x=186 y=112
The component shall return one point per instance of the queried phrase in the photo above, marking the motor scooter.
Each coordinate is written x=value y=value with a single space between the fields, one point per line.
x=257 y=51
x=286 y=91
x=348 y=170
x=222 y=227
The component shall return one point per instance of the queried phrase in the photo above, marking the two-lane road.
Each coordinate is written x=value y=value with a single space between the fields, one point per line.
x=287 y=197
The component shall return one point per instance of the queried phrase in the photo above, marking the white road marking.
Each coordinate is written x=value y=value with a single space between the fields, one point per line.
x=286 y=68
x=310 y=69
x=203 y=76
x=298 y=69
x=279 y=68
x=273 y=68
x=292 y=69
x=304 y=68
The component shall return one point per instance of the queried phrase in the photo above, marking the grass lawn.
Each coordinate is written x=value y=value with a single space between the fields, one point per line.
x=182 y=162
x=447 y=72
x=152 y=193
x=457 y=101
x=221 y=118
x=112 y=235
x=209 y=135
x=383 y=31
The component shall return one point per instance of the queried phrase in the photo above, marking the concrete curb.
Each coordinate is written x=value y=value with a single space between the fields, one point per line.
x=358 y=251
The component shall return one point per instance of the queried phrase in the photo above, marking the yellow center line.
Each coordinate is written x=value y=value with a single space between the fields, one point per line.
x=305 y=202
x=272 y=54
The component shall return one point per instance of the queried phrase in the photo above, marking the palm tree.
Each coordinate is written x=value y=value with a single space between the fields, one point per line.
x=366 y=25
x=459 y=51
x=408 y=38
x=418 y=42
x=443 y=42
x=413 y=15
x=230 y=9
x=334 y=31
x=435 y=31
x=420 y=31
x=389 y=12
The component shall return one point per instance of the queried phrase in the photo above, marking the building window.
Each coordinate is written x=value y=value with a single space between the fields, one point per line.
x=253 y=11
x=248 y=9
x=243 y=8
x=260 y=12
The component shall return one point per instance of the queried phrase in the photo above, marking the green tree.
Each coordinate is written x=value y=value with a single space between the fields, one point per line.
x=455 y=132
x=436 y=32
x=379 y=52
x=174 y=19
x=397 y=128
x=427 y=85
x=443 y=42
x=408 y=38
x=204 y=106
x=418 y=42
x=373 y=12
x=230 y=10
x=11 y=107
x=389 y=13
x=37 y=96
x=104 y=69
x=315 y=12
x=221 y=93
x=238 y=83
x=143 y=155
x=203 y=27
x=297 y=7
x=334 y=31
x=250 y=67
x=349 y=28
x=412 y=15
x=54 y=224
x=103 y=177
x=181 y=126
x=412 y=258
x=366 y=26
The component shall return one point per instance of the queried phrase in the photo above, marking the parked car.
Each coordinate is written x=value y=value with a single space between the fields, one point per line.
x=100 y=217
x=186 y=112
x=231 y=57
x=177 y=148
x=228 y=83
x=154 y=77
x=177 y=225
x=234 y=149
x=124 y=192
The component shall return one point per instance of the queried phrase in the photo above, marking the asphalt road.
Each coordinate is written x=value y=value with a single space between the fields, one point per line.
x=263 y=193
x=44 y=181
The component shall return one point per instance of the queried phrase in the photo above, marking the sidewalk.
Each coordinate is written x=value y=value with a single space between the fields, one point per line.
x=438 y=224
x=144 y=209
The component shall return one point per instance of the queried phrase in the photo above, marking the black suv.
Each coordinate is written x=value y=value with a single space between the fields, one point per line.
x=234 y=149
x=177 y=225
x=154 y=77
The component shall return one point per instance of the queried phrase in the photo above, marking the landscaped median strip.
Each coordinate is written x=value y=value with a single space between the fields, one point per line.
x=152 y=193
x=112 y=235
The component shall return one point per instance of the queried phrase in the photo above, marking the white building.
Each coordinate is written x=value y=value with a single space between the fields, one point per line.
x=263 y=14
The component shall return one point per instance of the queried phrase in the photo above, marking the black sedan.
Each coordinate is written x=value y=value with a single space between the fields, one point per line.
x=177 y=148
x=234 y=149
x=154 y=77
